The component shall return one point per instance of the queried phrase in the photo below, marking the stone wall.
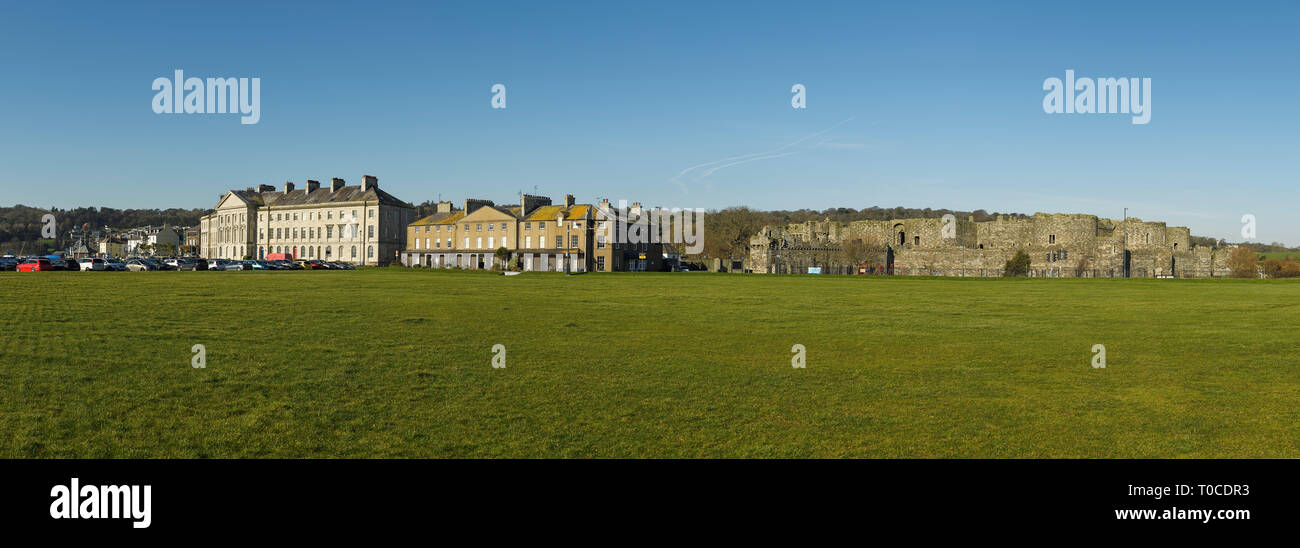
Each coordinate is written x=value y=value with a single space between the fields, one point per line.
x=1058 y=245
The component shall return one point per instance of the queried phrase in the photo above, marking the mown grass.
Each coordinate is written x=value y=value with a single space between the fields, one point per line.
x=397 y=363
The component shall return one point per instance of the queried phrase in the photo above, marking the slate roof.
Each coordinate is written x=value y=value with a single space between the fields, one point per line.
x=321 y=196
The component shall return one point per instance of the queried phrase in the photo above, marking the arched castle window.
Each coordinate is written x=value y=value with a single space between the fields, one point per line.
x=1051 y=238
x=1175 y=246
x=1148 y=238
x=981 y=246
x=902 y=237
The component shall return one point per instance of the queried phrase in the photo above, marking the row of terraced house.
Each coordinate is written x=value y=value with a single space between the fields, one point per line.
x=367 y=226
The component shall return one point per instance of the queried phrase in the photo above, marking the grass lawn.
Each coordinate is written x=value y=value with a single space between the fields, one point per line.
x=397 y=363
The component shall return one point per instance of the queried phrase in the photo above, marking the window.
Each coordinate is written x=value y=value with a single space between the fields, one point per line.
x=370 y=231
x=372 y=214
x=490 y=225
x=573 y=241
x=503 y=226
x=916 y=240
x=354 y=248
x=370 y=251
x=528 y=225
x=437 y=229
x=448 y=243
x=504 y=241
x=559 y=242
x=329 y=231
x=491 y=242
x=417 y=243
x=329 y=215
x=437 y=244
x=295 y=216
x=478 y=227
x=600 y=241
x=528 y=242
x=480 y=242
x=1051 y=238
x=600 y=263
x=466 y=242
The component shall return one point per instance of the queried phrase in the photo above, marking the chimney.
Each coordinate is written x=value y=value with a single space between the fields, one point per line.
x=288 y=187
x=970 y=219
x=472 y=204
x=568 y=200
x=312 y=185
x=528 y=203
x=265 y=188
x=336 y=183
x=369 y=182
x=443 y=207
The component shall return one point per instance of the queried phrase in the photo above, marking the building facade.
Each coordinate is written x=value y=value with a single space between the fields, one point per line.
x=357 y=224
x=536 y=236
x=1058 y=245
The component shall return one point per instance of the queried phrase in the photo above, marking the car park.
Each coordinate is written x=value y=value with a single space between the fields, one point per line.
x=35 y=265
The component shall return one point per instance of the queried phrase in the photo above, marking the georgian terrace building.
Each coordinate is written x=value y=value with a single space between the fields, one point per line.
x=541 y=236
x=357 y=224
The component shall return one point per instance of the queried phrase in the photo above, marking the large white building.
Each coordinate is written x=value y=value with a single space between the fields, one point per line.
x=357 y=224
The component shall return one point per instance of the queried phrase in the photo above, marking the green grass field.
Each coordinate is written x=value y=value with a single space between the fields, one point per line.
x=397 y=363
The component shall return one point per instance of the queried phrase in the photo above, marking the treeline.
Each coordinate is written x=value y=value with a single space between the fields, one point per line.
x=20 y=225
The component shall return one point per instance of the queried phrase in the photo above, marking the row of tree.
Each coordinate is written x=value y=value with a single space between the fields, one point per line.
x=21 y=226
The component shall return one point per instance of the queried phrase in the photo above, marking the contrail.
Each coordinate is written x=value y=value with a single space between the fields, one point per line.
x=745 y=158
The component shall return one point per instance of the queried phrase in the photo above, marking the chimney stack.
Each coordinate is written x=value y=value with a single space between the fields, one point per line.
x=265 y=188
x=288 y=187
x=568 y=200
x=528 y=203
x=472 y=204
x=312 y=185
x=336 y=183
x=443 y=207
x=369 y=182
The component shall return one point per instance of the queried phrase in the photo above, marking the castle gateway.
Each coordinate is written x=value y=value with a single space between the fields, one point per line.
x=1059 y=245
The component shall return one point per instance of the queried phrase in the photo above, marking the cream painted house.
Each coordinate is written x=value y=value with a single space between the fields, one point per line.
x=357 y=224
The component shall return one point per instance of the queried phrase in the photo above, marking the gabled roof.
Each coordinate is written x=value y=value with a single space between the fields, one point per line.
x=549 y=212
x=444 y=218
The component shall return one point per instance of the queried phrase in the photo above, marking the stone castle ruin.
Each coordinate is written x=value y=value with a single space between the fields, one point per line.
x=1058 y=245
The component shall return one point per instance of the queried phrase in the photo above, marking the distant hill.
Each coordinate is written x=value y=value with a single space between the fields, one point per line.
x=20 y=225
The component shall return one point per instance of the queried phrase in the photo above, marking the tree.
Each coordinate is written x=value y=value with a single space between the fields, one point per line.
x=862 y=250
x=1241 y=262
x=1017 y=265
x=503 y=256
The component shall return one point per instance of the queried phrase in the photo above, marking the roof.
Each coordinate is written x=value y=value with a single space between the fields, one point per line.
x=550 y=212
x=444 y=218
x=320 y=196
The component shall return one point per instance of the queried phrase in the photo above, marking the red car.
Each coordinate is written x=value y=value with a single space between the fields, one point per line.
x=35 y=265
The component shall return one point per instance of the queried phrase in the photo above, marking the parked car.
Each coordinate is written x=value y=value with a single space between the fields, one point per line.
x=64 y=264
x=312 y=264
x=92 y=264
x=139 y=265
x=116 y=265
x=190 y=263
x=261 y=265
x=8 y=263
x=289 y=265
x=158 y=264
x=35 y=265
x=238 y=265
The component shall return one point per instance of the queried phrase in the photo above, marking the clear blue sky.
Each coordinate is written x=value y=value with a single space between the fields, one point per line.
x=909 y=103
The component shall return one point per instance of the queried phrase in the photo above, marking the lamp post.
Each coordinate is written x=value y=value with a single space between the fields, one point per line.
x=1124 y=255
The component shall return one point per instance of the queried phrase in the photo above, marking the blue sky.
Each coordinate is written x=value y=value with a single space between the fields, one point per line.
x=913 y=104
